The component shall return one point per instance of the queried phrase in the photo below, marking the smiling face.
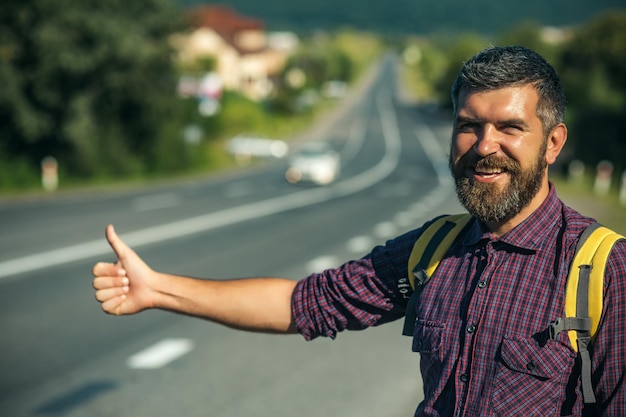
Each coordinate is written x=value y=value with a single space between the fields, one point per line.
x=500 y=153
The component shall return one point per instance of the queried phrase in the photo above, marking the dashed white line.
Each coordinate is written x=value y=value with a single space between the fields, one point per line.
x=360 y=244
x=404 y=219
x=321 y=263
x=385 y=229
x=160 y=354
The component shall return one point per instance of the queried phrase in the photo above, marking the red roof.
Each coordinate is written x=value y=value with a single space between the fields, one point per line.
x=223 y=20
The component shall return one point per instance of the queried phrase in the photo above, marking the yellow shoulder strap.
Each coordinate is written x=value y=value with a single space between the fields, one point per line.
x=434 y=242
x=426 y=254
x=592 y=254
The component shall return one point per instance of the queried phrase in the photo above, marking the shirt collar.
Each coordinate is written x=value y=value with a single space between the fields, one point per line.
x=527 y=235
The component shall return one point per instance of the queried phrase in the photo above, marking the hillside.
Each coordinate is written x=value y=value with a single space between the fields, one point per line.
x=416 y=16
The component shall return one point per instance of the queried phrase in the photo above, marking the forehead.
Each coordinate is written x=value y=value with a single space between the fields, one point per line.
x=502 y=103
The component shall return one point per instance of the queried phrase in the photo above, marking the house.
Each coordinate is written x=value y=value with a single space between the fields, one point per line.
x=245 y=56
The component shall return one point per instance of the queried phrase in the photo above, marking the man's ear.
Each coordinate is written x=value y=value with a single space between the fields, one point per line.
x=556 y=141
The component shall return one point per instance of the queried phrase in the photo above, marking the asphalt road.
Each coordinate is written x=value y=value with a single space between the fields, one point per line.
x=61 y=356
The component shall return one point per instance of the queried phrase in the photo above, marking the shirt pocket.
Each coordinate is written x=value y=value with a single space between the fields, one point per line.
x=530 y=380
x=428 y=340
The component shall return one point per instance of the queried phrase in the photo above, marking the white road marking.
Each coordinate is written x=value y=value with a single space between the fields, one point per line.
x=202 y=223
x=435 y=154
x=53 y=257
x=391 y=158
x=404 y=219
x=385 y=229
x=360 y=244
x=355 y=141
x=160 y=354
x=321 y=263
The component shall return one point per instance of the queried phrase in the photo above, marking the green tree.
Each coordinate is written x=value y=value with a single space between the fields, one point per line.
x=593 y=68
x=457 y=54
x=530 y=34
x=318 y=60
x=89 y=82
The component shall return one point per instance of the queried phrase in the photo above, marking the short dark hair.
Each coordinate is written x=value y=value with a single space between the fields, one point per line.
x=510 y=66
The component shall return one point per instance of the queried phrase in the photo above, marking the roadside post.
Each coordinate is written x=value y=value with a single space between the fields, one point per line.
x=576 y=171
x=604 y=171
x=49 y=173
x=622 y=190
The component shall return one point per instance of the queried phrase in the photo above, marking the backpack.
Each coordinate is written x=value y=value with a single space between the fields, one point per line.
x=583 y=292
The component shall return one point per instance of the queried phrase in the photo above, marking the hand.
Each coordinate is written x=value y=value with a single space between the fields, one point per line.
x=123 y=287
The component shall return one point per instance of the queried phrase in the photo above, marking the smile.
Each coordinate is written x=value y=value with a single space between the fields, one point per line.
x=488 y=172
x=485 y=173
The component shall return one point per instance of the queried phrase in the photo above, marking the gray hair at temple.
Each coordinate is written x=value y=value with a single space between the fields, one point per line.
x=512 y=66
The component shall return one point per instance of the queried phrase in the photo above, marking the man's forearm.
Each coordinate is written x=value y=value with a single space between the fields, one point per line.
x=254 y=304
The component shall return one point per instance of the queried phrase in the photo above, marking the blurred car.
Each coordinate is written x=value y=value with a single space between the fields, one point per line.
x=314 y=162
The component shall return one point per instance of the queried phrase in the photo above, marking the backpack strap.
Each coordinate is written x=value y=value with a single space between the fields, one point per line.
x=427 y=252
x=584 y=295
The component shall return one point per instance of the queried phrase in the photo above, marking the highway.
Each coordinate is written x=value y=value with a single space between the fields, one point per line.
x=62 y=356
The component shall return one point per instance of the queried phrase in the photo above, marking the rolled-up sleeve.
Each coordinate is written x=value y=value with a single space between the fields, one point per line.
x=356 y=295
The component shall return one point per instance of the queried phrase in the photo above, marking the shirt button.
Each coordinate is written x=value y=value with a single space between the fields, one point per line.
x=471 y=328
x=530 y=366
x=464 y=378
x=482 y=284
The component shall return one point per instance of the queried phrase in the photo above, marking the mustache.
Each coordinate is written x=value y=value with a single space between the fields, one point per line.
x=477 y=162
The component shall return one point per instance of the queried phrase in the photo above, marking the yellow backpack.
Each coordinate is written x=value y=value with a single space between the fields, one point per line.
x=584 y=289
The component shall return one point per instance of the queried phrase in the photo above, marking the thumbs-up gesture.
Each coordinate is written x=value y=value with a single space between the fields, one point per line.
x=123 y=287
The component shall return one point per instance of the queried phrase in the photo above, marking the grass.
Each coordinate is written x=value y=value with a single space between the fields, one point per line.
x=606 y=209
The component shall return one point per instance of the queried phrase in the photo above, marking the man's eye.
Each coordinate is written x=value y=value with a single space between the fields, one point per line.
x=512 y=129
x=467 y=127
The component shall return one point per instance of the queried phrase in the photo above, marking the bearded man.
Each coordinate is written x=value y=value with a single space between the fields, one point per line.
x=481 y=322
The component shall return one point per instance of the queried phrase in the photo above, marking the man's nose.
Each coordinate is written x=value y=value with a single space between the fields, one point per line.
x=487 y=141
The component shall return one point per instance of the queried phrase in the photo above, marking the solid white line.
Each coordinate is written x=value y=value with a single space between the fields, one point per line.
x=53 y=257
x=228 y=216
x=355 y=141
x=160 y=354
x=391 y=158
x=434 y=152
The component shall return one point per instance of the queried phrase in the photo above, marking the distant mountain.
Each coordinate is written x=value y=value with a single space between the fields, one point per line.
x=416 y=16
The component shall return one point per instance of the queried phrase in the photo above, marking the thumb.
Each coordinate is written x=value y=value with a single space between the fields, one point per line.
x=116 y=243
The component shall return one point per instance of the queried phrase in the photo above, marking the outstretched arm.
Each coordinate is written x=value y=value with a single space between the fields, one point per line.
x=130 y=286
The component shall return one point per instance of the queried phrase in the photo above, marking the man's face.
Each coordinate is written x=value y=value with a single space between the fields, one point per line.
x=498 y=152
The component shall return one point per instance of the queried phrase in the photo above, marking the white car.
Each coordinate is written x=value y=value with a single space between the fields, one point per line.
x=313 y=162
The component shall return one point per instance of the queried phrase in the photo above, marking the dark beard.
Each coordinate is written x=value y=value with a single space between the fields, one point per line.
x=485 y=201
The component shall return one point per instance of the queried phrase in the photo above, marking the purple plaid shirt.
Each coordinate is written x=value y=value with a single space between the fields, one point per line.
x=482 y=320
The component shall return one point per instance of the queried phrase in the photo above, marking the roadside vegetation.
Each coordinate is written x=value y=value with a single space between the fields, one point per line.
x=96 y=88
x=580 y=194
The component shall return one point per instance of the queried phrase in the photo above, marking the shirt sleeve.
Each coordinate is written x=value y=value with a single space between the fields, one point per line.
x=356 y=295
x=609 y=348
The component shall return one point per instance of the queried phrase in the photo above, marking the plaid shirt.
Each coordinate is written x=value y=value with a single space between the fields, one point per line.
x=482 y=320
